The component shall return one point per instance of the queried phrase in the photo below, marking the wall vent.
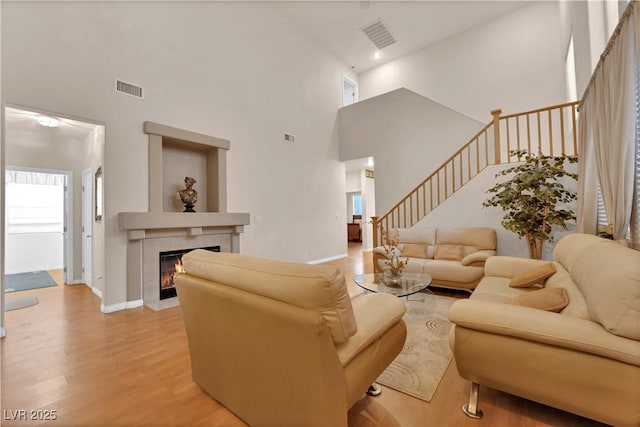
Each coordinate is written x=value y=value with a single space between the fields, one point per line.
x=379 y=34
x=129 y=89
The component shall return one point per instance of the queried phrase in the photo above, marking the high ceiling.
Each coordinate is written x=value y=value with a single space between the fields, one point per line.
x=337 y=25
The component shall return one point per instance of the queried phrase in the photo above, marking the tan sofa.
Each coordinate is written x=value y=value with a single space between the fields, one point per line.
x=584 y=359
x=282 y=344
x=454 y=257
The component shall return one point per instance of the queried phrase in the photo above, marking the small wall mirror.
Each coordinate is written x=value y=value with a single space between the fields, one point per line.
x=98 y=194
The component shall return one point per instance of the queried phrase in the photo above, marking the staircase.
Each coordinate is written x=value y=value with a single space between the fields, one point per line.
x=550 y=131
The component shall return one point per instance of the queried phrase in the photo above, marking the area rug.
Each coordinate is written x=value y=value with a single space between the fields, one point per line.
x=418 y=369
x=18 y=303
x=30 y=280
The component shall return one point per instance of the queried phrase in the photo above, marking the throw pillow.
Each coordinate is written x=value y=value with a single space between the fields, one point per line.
x=549 y=299
x=413 y=250
x=449 y=252
x=535 y=276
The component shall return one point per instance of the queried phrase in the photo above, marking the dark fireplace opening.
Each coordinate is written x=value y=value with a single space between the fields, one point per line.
x=170 y=262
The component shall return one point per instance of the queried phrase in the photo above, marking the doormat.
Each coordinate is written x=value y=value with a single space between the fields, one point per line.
x=30 y=280
x=18 y=303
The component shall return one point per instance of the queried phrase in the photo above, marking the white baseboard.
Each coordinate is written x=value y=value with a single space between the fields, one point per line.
x=134 y=304
x=332 y=258
x=3 y=332
x=120 y=306
x=75 y=282
x=96 y=291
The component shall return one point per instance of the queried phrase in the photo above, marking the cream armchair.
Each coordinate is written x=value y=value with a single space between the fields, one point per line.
x=282 y=344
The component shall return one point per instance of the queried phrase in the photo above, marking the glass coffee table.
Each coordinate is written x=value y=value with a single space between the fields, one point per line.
x=409 y=283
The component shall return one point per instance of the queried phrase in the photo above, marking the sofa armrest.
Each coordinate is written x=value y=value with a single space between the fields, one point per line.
x=477 y=258
x=507 y=266
x=375 y=314
x=544 y=327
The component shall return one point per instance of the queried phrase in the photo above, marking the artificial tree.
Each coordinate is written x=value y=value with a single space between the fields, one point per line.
x=532 y=198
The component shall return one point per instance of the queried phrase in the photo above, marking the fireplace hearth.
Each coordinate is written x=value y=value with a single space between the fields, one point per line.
x=170 y=263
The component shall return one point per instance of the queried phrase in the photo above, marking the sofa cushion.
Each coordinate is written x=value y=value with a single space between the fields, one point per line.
x=495 y=289
x=452 y=271
x=534 y=276
x=414 y=250
x=421 y=236
x=449 y=252
x=479 y=237
x=577 y=305
x=317 y=287
x=569 y=249
x=549 y=299
x=608 y=274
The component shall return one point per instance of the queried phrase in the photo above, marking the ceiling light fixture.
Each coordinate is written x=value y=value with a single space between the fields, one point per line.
x=377 y=54
x=50 y=122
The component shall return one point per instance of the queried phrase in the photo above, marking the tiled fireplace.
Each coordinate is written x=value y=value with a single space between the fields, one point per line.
x=174 y=154
x=169 y=263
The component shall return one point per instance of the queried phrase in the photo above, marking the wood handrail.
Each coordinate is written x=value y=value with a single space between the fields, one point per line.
x=501 y=148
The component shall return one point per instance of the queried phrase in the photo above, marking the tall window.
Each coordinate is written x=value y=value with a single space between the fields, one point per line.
x=357 y=204
x=34 y=202
x=570 y=67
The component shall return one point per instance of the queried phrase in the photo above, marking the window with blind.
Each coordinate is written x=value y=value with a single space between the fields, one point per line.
x=34 y=202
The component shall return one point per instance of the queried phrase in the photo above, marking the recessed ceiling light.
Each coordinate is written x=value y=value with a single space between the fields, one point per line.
x=50 y=122
x=377 y=54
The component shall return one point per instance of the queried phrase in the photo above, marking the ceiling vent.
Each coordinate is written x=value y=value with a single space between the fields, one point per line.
x=129 y=89
x=379 y=34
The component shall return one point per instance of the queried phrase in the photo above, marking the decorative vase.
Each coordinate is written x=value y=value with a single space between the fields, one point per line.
x=394 y=271
x=392 y=278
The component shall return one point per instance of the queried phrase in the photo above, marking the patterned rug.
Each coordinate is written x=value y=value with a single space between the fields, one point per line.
x=418 y=369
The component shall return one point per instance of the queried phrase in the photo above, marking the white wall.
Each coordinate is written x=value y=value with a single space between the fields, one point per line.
x=368 y=209
x=33 y=252
x=575 y=18
x=353 y=183
x=93 y=159
x=239 y=71
x=408 y=135
x=2 y=329
x=515 y=62
x=465 y=210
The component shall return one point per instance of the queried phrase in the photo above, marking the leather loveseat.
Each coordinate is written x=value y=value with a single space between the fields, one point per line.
x=582 y=356
x=454 y=257
x=282 y=344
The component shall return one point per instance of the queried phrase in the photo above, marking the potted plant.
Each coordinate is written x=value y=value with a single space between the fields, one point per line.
x=533 y=197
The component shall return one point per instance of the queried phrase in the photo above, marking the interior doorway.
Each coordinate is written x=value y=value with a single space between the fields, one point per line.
x=360 y=200
x=59 y=149
x=349 y=91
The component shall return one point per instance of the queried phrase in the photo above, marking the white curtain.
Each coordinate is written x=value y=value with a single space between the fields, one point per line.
x=13 y=176
x=608 y=129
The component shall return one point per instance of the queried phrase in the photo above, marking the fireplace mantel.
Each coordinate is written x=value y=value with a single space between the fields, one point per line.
x=138 y=224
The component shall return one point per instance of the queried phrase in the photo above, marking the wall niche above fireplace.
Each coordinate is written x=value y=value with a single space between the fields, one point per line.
x=175 y=153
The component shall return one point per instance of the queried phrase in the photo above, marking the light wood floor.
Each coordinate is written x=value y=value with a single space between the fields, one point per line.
x=131 y=368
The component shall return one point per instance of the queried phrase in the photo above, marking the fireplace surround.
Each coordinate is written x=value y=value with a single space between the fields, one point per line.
x=173 y=154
